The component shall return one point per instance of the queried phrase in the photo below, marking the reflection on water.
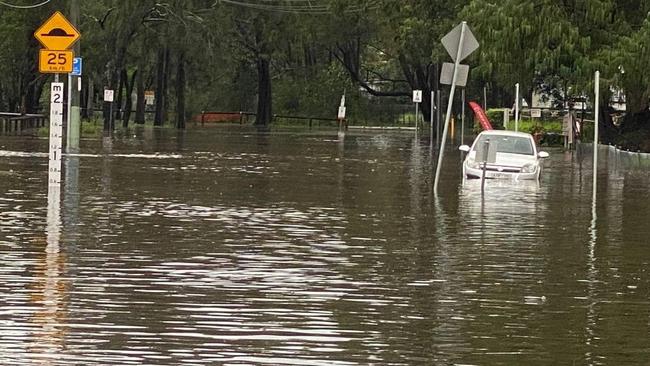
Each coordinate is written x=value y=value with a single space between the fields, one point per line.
x=49 y=292
x=245 y=247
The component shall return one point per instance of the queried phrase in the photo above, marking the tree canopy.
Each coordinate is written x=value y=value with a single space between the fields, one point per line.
x=298 y=57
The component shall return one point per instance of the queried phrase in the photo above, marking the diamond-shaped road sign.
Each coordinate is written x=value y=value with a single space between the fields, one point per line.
x=57 y=33
x=451 y=40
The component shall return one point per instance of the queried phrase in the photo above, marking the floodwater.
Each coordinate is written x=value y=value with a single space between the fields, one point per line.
x=233 y=247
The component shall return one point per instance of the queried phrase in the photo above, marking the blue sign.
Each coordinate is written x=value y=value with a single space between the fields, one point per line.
x=77 y=64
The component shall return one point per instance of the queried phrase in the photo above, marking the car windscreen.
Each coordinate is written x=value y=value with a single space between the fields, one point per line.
x=505 y=144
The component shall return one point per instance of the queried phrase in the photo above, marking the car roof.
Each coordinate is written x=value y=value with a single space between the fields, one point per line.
x=506 y=133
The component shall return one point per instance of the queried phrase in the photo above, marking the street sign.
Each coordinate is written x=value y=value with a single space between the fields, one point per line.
x=108 y=95
x=451 y=40
x=536 y=113
x=341 y=114
x=57 y=33
x=77 y=66
x=149 y=97
x=448 y=73
x=55 y=62
x=417 y=96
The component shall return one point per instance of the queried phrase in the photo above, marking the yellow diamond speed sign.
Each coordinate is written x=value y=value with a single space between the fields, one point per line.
x=57 y=33
x=55 y=61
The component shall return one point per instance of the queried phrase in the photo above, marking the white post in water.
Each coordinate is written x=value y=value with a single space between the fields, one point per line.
x=596 y=121
x=450 y=104
x=517 y=107
x=417 y=99
x=56 y=132
x=433 y=95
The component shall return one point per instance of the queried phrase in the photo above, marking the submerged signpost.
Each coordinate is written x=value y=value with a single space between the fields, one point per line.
x=57 y=35
x=459 y=43
x=596 y=121
x=417 y=99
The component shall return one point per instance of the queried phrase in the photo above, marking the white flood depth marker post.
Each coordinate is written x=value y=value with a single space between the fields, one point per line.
x=517 y=107
x=463 y=50
x=596 y=120
x=56 y=133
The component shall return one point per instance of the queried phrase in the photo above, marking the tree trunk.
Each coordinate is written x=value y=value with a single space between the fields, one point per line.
x=120 y=95
x=180 y=92
x=128 y=105
x=160 y=88
x=636 y=98
x=140 y=101
x=167 y=71
x=90 y=101
x=264 y=97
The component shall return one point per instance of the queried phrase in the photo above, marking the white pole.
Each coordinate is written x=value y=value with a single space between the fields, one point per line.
x=596 y=107
x=431 y=117
x=517 y=107
x=439 y=104
x=416 y=116
x=450 y=104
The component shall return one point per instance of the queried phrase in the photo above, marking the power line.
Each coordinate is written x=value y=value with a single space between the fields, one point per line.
x=289 y=6
x=24 y=6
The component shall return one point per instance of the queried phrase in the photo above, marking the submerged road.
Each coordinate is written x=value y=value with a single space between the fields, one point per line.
x=233 y=247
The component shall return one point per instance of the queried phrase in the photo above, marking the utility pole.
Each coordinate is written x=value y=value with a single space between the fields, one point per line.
x=74 y=120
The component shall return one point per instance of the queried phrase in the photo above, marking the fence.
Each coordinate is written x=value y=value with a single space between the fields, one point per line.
x=617 y=158
x=16 y=122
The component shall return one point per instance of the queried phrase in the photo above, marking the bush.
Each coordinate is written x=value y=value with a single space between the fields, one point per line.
x=496 y=118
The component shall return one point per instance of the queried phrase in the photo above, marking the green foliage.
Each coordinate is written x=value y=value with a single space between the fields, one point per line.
x=496 y=118
x=385 y=46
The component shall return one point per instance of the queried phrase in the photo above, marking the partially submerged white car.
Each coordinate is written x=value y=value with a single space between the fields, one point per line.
x=503 y=154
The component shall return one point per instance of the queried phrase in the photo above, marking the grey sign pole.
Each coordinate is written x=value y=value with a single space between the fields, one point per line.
x=596 y=121
x=431 y=118
x=462 y=123
x=459 y=54
x=517 y=107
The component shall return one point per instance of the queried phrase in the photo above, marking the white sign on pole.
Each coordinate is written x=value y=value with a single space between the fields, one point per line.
x=109 y=95
x=447 y=74
x=149 y=97
x=56 y=134
x=341 y=113
x=451 y=42
x=417 y=96
x=536 y=113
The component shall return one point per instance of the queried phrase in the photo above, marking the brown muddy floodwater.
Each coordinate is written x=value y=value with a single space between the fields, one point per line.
x=232 y=247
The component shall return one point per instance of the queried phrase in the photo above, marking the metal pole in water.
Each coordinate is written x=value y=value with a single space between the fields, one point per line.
x=462 y=121
x=596 y=120
x=450 y=104
x=486 y=150
x=438 y=110
x=416 y=116
x=431 y=118
x=517 y=107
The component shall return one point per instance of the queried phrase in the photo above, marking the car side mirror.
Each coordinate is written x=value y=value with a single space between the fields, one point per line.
x=542 y=155
x=464 y=148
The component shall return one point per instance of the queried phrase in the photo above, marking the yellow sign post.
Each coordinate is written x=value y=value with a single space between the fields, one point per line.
x=57 y=35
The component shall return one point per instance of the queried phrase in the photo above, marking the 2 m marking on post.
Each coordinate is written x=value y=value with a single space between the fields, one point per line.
x=56 y=134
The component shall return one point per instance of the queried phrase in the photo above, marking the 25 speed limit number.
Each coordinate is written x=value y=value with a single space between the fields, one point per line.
x=55 y=61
